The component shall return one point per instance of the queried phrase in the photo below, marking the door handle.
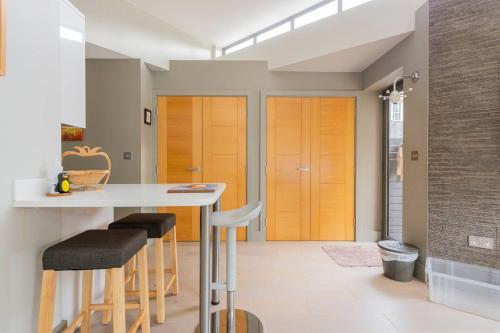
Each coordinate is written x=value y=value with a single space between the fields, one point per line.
x=305 y=169
x=194 y=169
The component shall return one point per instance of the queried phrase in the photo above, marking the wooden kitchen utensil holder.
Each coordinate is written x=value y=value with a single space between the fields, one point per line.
x=88 y=179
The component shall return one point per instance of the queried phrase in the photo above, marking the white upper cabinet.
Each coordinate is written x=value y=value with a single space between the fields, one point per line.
x=72 y=49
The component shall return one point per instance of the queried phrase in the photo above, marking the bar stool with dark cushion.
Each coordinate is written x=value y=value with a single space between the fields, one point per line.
x=89 y=251
x=160 y=227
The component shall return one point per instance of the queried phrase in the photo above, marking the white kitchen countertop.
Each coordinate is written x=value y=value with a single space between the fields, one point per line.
x=31 y=193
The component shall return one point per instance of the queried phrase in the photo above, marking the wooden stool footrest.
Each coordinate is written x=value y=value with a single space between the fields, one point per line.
x=169 y=284
x=130 y=276
x=152 y=293
x=75 y=323
x=108 y=307
x=153 y=270
x=137 y=322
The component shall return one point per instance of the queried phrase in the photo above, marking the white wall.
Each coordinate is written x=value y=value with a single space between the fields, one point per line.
x=30 y=137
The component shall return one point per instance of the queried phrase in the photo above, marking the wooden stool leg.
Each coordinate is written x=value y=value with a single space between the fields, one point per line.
x=160 y=281
x=86 y=301
x=144 y=289
x=106 y=314
x=173 y=254
x=131 y=268
x=47 y=299
x=118 y=297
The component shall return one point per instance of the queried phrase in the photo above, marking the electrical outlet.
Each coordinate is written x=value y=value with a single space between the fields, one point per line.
x=127 y=155
x=482 y=242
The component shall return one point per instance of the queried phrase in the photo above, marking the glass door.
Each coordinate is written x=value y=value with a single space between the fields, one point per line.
x=393 y=170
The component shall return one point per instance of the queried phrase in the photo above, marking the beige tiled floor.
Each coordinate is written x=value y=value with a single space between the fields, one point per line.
x=295 y=287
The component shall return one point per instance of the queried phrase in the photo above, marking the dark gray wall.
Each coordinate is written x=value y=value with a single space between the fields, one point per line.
x=113 y=114
x=146 y=130
x=114 y=118
x=255 y=80
x=410 y=55
x=464 y=129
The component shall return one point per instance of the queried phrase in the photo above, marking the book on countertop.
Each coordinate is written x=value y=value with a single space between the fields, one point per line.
x=193 y=188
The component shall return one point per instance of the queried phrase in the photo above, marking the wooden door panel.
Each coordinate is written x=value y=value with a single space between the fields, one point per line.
x=332 y=168
x=287 y=151
x=288 y=139
x=224 y=140
x=227 y=111
x=316 y=135
x=332 y=209
x=223 y=167
x=287 y=169
x=224 y=150
x=230 y=201
x=208 y=133
x=288 y=217
x=188 y=227
x=178 y=151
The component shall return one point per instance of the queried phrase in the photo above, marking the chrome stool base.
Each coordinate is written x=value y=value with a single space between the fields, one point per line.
x=246 y=322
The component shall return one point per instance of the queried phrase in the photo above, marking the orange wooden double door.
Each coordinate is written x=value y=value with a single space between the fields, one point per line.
x=310 y=168
x=202 y=139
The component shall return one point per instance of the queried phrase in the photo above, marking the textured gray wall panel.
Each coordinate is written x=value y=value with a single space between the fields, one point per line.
x=464 y=129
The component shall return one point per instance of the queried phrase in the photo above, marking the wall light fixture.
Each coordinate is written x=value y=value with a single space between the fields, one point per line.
x=397 y=96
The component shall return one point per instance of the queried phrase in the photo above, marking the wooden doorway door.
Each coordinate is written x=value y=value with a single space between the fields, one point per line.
x=202 y=139
x=310 y=168
x=179 y=144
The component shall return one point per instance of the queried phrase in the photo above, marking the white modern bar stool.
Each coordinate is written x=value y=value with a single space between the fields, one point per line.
x=233 y=320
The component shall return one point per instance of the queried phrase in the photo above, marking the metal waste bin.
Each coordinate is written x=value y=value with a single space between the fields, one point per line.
x=398 y=260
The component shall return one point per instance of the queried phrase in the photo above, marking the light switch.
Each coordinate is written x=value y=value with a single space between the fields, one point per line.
x=127 y=155
x=414 y=155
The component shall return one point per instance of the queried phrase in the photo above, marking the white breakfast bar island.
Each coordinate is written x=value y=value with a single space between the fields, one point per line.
x=94 y=210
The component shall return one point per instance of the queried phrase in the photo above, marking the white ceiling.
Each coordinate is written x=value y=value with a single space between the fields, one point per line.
x=221 y=22
x=349 y=41
x=118 y=26
x=158 y=31
x=355 y=59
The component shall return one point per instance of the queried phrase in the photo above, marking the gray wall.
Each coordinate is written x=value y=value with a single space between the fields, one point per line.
x=369 y=168
x=411 y=54
x=146 y=130
x=114 y=119
x=464 y=129
x=30 y=118
x=253 y=79
x=113 y=113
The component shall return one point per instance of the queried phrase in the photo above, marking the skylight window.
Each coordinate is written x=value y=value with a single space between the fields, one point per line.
x=317 y=14
x=348 y=4
x=280 y=29
x=239 y=46
x=312 y=14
